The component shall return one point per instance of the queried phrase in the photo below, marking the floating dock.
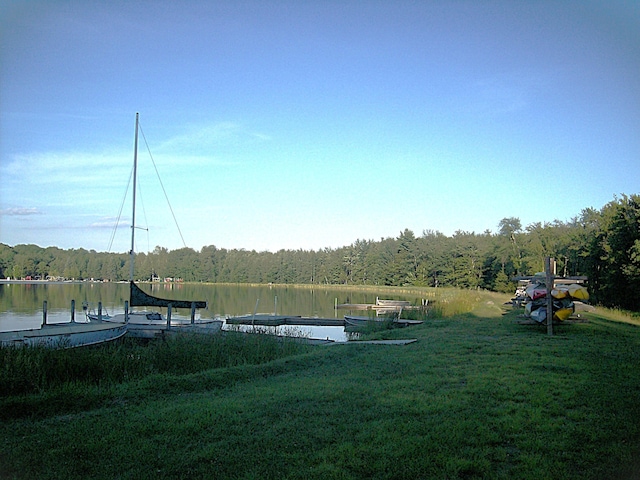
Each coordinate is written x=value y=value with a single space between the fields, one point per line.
x=279 y=320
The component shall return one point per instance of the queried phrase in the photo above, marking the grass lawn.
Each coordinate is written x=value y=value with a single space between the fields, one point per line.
x=477 y=396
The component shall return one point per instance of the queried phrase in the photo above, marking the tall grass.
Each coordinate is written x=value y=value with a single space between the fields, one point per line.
x=37 y=369
x=450 y=302
x=619 y=315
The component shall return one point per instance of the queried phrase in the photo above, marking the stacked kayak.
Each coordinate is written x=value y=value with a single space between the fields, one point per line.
x=562 y=301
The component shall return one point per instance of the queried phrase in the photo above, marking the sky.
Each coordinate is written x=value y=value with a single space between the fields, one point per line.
x=292 y=124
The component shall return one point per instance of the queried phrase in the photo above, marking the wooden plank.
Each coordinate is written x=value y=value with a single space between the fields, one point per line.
x=377 y=342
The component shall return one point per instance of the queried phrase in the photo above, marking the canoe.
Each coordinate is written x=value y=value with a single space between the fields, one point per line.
x=539 y=315
x=536 y=291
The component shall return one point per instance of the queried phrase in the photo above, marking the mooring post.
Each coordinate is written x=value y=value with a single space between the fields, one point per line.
x=275 y=305
x=126 y=311
x=253 y=319
x=550 y=281
x=73 y=311
x=99 y=311
x=193 y=312
x=44 y=313
x=168 y=316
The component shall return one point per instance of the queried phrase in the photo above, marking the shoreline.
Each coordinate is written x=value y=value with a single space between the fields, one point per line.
x=49 y=282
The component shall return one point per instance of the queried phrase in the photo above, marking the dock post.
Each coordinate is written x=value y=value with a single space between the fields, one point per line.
x=275 y=305
x=44 y=313
x=126 y=311
x=99 y=311
x=193 y=312
x=73 y=311
x=168 y=316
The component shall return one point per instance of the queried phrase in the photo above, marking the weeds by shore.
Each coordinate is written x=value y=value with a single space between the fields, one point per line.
x=478 y=396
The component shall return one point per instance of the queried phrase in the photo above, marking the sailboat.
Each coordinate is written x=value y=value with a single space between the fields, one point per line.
x=149 y=323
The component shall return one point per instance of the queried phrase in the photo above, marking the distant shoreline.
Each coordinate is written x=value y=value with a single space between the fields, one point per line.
x=47 y=282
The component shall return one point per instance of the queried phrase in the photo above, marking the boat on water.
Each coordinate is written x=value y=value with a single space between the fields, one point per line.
x=64 y=335
x=392 y=303
x=361 y=321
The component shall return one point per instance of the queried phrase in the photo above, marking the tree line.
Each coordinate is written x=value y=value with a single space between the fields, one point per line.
x=602 y=244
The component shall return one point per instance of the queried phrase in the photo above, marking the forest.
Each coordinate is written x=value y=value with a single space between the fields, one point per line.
x=603 y=245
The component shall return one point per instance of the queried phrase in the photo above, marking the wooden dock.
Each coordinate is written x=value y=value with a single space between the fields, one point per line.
x=280 y=320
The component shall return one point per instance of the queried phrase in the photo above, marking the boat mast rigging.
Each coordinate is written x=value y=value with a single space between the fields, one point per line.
x=133 y=214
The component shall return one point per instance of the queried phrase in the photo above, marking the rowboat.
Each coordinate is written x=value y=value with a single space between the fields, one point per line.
x=64 y=335
x=358 y=321
x=392 y=303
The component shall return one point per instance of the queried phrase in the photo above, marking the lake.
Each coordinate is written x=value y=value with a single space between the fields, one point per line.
x=21 y=303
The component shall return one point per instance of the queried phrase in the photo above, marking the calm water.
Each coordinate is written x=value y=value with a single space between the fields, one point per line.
x=21 y=304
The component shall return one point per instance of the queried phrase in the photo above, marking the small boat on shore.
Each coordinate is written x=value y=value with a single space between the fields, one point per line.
x=359 y=321
x=64 y=335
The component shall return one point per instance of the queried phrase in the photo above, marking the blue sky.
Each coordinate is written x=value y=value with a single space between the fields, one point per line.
x=308 y=125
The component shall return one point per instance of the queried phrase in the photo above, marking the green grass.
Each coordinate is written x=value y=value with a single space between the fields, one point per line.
x=478 y=396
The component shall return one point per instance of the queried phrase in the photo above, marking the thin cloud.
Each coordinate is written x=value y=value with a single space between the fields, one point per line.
x=210 y=136
x=110 y=223
x=19 y=211
x=67 y=168
x=205 y=136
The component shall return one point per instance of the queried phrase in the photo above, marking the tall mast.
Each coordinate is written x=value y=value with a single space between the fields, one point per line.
x=133 y=214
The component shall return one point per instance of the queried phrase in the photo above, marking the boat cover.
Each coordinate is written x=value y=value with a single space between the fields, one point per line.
x=138 y=298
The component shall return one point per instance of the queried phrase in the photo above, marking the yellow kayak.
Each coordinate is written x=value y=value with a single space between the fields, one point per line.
x=578 y=291
x=560 y=292
x=562 y=313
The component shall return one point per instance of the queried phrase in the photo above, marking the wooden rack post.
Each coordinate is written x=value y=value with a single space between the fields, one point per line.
x=550 y=281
